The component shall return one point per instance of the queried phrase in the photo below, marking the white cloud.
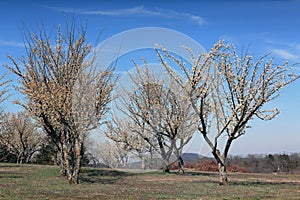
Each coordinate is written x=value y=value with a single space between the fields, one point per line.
x=284 y=53
x=287 y=50
x=137 y=11
x=182 y=15
x=11 y=43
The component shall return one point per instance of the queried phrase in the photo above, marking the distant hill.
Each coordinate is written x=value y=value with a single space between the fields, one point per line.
x=157 y=162
x=191 y=157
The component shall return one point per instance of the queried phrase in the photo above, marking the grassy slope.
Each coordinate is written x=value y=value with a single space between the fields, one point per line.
x=44 y=182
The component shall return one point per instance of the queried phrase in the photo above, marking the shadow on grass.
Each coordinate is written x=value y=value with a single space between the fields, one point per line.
x=11 y=176
x=9 y=166
x=102 y=176
x=193 y=173
x=261 y=183
x=201 y=174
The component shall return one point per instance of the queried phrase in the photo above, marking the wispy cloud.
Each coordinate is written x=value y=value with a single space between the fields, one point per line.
x=182 y=15
x=11 y=43
x=137 y=11
x=116 y=12
x=287 y=50
x=284 y=54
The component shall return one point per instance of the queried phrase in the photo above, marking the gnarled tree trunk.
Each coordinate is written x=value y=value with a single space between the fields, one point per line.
x=222 y=166
x=71 y=157
x=143 y=160
x=76 y=168
x=165 y=156
x=223 y=174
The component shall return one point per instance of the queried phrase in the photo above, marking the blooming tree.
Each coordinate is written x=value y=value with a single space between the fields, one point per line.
x=129 y=137
x=21 y=136
x=64 y=91
x=159 y=112
x=227 y=91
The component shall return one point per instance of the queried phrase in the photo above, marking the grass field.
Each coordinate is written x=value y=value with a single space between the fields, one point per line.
x=44 y=182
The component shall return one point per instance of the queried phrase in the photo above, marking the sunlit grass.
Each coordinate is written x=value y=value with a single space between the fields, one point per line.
x=44 y=182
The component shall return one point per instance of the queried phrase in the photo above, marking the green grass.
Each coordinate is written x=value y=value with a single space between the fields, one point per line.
x=44 y=182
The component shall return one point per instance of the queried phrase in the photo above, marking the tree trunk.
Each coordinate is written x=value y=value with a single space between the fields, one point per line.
x=66 y=163
x=61 y=161
x=76 y=168
x=55 y=159
x=18 y=159
x=223 y=174
x=151 y=163
x=166 y=167
x=28 y=157
x=143 y=165
x=178 y=153
x=222 y=167
x=165 y=157
x=68 y=158
x=180 y=165
x=71 y=158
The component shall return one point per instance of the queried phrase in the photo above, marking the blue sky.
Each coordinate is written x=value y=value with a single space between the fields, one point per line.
x=262 y=26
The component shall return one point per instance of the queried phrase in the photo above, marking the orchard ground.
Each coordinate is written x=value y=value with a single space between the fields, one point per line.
x=44 y=182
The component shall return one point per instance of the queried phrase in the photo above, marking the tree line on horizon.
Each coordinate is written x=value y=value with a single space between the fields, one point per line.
x=67 y=96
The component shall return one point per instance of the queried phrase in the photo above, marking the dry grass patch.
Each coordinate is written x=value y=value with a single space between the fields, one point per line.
x=44 y=182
